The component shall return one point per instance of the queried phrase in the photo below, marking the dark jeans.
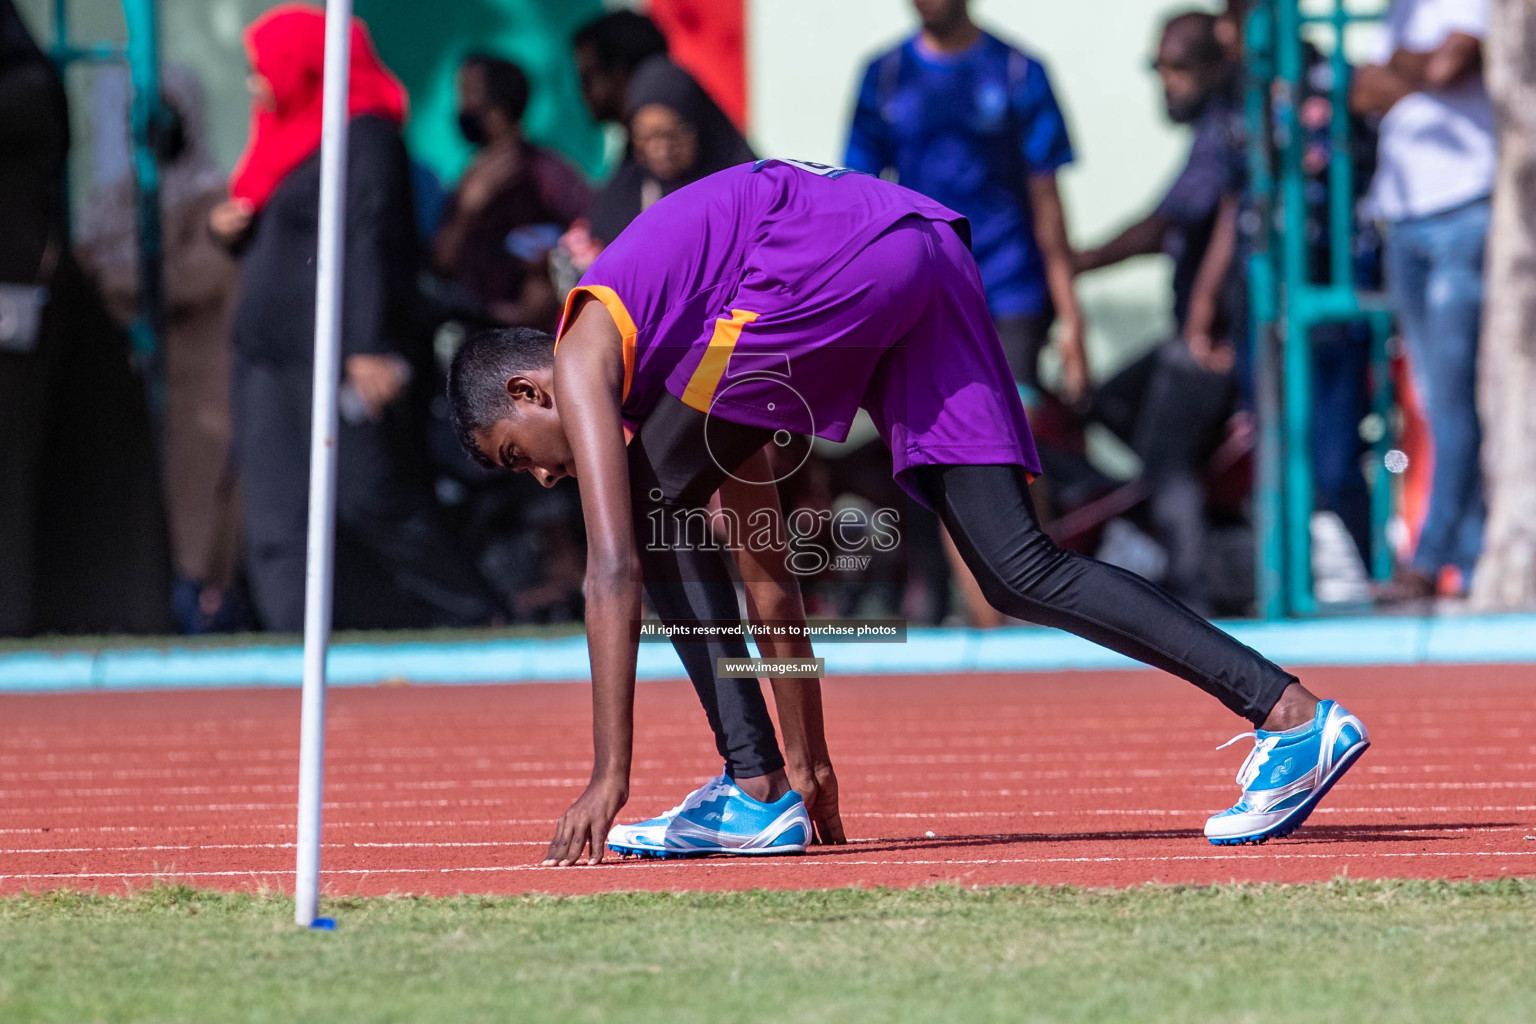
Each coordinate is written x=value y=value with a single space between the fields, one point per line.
x=1173 y=413
x=990 y=515
x=1023 y=337
x=395 y=566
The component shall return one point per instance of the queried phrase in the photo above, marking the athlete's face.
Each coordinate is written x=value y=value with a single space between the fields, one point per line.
x=530 y=437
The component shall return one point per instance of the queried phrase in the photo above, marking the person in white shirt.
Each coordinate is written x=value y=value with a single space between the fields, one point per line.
x=1437 y=156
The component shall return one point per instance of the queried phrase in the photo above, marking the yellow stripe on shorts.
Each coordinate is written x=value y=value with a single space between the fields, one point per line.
x=700 y=392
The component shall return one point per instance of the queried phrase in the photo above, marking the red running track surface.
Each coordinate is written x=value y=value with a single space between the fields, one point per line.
x=1090 y=779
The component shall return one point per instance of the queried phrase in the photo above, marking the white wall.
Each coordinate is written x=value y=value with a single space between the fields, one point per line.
x=806 y=56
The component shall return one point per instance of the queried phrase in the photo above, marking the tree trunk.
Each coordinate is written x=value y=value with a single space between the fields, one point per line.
x=1506 y=574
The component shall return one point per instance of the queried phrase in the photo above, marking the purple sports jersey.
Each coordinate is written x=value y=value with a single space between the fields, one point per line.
x=787 y=295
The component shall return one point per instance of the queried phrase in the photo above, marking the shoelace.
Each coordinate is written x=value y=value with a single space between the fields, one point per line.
x=1249 y=770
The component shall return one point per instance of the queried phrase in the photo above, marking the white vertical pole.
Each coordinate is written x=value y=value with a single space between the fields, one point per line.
x=319 y=570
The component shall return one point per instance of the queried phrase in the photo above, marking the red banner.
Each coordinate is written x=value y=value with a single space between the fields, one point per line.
x=708 y=37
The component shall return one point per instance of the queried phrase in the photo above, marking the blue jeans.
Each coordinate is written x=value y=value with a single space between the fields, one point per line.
x=1435 y=274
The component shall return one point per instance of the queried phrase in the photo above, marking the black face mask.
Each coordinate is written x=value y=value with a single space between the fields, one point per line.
x=472 y=128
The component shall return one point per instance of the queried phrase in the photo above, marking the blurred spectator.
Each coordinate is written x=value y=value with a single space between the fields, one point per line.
x=431 y=199
x=676 y=133
x=608 y=50
x=1437 y=156
x=1340 y=351
x=496 y=242
x=512 y=204
x=200 y=282
x=395 y=566
x=707 y=39
x=1172 y=406
x=965 y=118
x=82 y=532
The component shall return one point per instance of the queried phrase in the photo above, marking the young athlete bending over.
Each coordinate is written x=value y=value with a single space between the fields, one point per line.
x=778 y=298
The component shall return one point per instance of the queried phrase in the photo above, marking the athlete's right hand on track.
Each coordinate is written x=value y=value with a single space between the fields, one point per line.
x=817 y=786
x=586 y=824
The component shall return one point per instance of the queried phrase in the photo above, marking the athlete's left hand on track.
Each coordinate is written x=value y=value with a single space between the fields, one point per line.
x=817 y=786
x=586 y=825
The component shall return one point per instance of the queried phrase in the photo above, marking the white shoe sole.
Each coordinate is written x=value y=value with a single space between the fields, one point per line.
x=1288 y=822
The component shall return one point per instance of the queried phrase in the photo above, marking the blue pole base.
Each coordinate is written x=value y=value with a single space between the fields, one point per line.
x=323 y=924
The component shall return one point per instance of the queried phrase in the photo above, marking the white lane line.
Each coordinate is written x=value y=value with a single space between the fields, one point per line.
x=542 y=822
x=337 y=787
x=918 y=842
x=284 y=807
x=287 y=826
x=184 y=808
x=1446 y=809
x=811 y=862
x=867 y=780
x=936 y=767
x=1216 y=858
x=191 y=847
x=48 y=764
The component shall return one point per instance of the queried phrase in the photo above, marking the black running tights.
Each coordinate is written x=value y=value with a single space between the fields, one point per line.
x=679 y=458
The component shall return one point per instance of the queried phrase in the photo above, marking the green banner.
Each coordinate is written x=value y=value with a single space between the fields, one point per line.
x=424 y=44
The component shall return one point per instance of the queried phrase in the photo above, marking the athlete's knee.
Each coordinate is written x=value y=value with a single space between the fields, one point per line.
x=1002 y=594
x=1025 y=570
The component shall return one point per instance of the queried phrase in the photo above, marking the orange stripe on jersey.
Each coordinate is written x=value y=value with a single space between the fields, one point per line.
x=621 y=319
x=700 y=392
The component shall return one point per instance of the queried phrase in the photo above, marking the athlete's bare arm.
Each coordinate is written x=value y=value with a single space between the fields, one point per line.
x=589 y=376
x=589 y=381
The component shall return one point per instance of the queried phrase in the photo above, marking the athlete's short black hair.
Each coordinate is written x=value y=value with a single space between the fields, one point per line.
x=477 y=379
x=622 y=39
x=505 y=83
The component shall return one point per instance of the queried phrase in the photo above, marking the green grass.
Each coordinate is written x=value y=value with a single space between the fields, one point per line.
x=1344 y=951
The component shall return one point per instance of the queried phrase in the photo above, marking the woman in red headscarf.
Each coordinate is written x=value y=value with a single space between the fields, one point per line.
x=395 y=567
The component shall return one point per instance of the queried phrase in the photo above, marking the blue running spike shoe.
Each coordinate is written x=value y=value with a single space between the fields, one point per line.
x=720 y=818
x=1287 y=774
x=644 y=838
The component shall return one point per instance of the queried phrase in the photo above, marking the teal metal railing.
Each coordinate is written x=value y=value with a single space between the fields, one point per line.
x=1287 y=303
